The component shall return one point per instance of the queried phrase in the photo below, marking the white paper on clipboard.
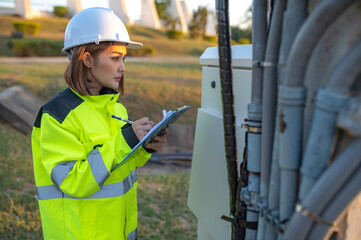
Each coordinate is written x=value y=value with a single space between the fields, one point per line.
x=168 y=119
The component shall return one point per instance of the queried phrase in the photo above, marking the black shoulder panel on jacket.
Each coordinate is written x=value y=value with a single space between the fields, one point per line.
x=60 y=106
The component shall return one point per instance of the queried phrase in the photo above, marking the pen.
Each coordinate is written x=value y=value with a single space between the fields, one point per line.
x=122 y=119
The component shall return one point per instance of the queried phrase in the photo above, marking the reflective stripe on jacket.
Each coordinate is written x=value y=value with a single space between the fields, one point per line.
x=75 y=143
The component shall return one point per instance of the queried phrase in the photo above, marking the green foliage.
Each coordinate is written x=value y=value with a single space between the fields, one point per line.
x=36 y=47
x=60 y=11
x=144 y=51
x=27 y=27
x=199 y=21
x=210 y=38
x=173 y=34
x=237 y=34
x=167 y=19
x=161 y=6
x=244 y=41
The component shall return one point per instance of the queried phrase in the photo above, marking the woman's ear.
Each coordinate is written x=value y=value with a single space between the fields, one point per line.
x=87 y=60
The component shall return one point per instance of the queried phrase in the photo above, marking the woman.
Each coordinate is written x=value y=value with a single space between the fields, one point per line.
x=76 y=142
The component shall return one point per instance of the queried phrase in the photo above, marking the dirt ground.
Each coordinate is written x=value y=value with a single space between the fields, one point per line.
x=164 y=168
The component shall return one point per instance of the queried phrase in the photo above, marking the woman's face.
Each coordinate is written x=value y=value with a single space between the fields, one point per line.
x=106 y=69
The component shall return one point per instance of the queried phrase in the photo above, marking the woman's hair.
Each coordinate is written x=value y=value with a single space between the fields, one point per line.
x=76 y=73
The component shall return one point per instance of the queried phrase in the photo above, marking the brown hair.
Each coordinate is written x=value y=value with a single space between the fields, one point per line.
x=76 y=72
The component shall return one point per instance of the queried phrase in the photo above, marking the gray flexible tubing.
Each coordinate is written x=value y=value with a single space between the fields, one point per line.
x=326 y=189
x=347 y=71
x=308 y=36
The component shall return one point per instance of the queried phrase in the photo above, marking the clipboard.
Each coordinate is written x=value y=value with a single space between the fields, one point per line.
x=168 y=119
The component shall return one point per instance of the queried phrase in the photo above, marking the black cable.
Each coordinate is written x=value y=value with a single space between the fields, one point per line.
x=225 y=67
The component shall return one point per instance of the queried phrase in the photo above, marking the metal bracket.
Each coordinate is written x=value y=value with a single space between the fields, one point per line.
x=303 y=211
x=262 y=205
x=251 y=129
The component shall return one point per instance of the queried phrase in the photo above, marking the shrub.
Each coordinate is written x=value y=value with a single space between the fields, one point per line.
x=145 y=51
x=26 y=27
x=173 y=34
x=244 y=41
x=36 y=47
x=210 y=38
x=60 y=11
x=196 y=34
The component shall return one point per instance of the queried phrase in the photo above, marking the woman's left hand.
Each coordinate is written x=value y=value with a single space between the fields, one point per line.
x=158 y=143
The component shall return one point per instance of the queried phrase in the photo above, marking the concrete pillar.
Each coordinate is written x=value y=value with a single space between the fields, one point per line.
x=23 y=8
x=211 y=25
x=175 y=11
x=188 y=16
x=74 y=6
x=149 y=15
x=119 y=7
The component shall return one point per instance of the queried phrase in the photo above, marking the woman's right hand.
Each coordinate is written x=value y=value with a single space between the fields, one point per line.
x=141 y=127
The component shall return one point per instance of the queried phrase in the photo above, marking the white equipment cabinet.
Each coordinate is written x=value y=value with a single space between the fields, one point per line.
x=208 y=196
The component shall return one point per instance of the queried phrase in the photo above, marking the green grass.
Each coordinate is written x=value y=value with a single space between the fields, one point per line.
x=19 y=214
x=163 y=213
x=150 y=87
x=54 y=28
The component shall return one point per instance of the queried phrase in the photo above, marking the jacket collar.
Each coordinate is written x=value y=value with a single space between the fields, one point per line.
x=106 y=96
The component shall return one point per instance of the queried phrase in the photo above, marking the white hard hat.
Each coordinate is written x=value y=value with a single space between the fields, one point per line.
x=94 y=25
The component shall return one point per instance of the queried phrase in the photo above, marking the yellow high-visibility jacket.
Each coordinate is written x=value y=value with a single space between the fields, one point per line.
x=75 y=143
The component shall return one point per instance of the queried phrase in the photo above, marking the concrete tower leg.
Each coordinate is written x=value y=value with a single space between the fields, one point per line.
x=23 y=8
x=188 y=16
x=120 y=9
x=149 y=15
x=210 y=26
x=74 y=6
x=175 y=10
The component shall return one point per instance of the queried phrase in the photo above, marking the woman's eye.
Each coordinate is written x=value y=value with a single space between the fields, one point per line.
x=115 y=58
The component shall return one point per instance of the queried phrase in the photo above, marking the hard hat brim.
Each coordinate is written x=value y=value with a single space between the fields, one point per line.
x=134 y=45
x=129 y=44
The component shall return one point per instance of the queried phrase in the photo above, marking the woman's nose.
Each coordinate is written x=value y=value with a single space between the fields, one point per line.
x=121 y=66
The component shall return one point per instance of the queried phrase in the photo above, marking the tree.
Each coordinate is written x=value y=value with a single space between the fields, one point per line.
x=161 y=6
x=238 y=33
x=198 y=25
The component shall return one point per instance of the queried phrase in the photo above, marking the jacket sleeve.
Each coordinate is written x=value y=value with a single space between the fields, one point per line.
x=74 y=171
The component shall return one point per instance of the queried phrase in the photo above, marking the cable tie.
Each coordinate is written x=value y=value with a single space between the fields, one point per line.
x=228 y=219
x=258 y=63
x=303 y=211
